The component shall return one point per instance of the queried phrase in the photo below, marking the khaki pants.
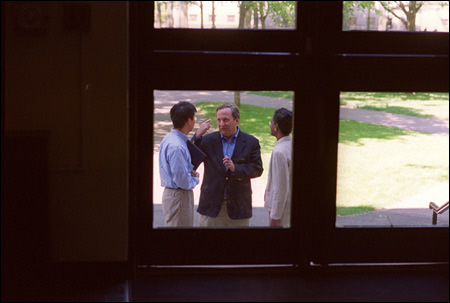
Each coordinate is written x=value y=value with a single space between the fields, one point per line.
x=222 y=220
x=178 y=207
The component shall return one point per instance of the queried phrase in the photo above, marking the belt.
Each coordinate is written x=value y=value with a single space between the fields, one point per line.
x=173 y=188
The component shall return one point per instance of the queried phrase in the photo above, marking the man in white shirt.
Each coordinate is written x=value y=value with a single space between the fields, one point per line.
x=277 y=197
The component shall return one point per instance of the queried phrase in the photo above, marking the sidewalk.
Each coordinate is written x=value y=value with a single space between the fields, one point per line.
x=432 y=126
x=378 y=218
x=412 y=212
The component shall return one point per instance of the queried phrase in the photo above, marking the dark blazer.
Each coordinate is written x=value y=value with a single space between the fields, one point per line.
x=248 y=164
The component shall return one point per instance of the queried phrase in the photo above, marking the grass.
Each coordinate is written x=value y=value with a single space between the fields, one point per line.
x=377 y=165
x=355 y=132
x=353 y=210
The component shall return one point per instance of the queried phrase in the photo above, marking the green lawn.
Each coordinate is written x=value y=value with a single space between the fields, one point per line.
x=352 y=210
x=377 y=165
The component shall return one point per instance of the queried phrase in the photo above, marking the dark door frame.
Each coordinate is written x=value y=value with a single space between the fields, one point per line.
x=318 y=63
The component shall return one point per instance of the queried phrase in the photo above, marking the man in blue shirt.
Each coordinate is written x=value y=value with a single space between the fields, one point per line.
x=176 y=170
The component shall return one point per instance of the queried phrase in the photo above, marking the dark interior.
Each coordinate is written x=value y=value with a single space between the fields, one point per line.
x=83 y=248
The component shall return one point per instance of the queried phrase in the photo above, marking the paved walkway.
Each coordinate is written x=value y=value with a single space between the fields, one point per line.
x=414 y=211
x=431 y=126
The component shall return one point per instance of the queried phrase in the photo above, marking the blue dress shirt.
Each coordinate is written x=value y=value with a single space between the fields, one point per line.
x=175 y=162
x=228 y=146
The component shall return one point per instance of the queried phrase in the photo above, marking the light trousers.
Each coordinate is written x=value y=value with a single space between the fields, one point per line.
x=222 y=220
x=178 y=207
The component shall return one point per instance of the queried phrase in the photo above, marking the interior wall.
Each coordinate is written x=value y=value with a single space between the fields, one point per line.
x=66 y=74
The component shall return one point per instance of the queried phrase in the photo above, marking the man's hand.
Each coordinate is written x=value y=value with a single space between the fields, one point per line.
x=195 y=174
x=274 y=222
x=204 y=127
x=228 y=163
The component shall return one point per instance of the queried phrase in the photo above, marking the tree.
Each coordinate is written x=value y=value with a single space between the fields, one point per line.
x=408 y=8
x=200 y=4
x=237 y=98
x=201 y=14
x=263 y=10
x=256 y=9
x=350 y=7
x=213 y=15
x=255 y=18
x=405 y=11
x=158 y=8
x=244 y=10
x=183 y=17
x=283 y=12
x=170 y=22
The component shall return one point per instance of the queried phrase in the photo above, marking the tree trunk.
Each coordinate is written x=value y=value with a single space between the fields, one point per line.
x=262 y=13
x=255 y=18
x=248 y=19
x=201 y=14
x=241 y=16
x=237 y=98
x=411 y=22
x=213 y=17
x=243 y=10
x=169 y=14
x=263 y=22
x=158 y=8
x=183 y=18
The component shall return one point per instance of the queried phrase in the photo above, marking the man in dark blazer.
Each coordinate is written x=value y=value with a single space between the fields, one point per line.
x=233 y=158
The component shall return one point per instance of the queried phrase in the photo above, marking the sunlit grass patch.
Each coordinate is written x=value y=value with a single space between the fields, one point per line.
x=355 y=132
x=353 y=210
x=379 y=170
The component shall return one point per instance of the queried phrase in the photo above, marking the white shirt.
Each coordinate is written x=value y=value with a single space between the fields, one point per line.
x=277 y=198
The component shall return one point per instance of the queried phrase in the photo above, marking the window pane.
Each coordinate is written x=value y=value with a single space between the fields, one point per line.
x=225 y=14
x=256 y=112
x=392 y=158
x=413 y=16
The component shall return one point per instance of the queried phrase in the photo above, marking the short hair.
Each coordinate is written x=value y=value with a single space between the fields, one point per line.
x=234 y=110
x=181 y=112
x=283 y=117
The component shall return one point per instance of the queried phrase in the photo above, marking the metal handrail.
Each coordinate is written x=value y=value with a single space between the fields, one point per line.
x=437 y=210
